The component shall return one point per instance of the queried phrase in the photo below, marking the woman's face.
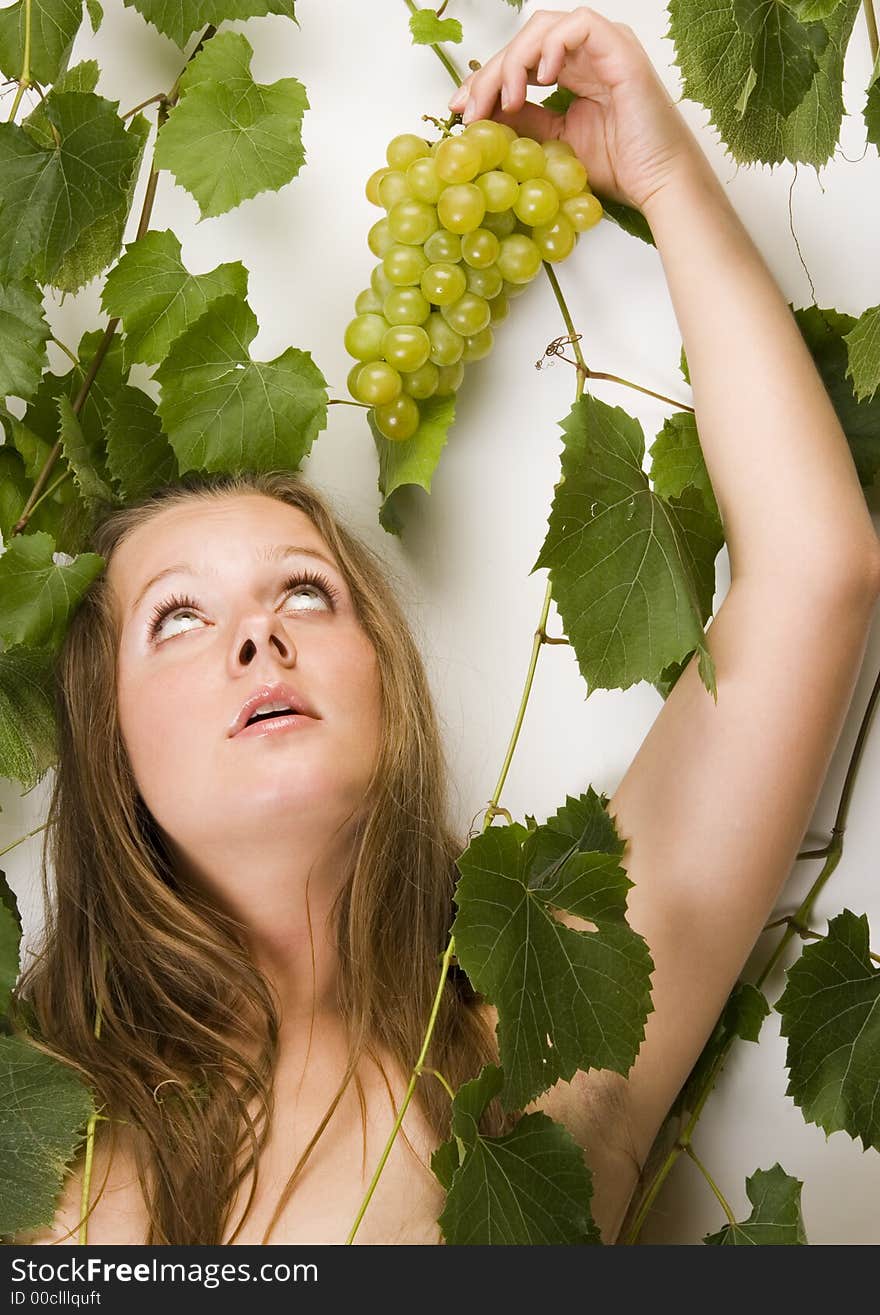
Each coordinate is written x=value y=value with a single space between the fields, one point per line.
x=184 y=676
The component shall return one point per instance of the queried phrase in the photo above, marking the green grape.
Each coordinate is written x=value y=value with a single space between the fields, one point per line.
x=499 y=308
x=484 y=282
x=443 y=247
x=404 y=265
x=458 y=160
x=537 y=202
x=446 y=345
x=368 y=301
x=582 y=211
x=351 y=380
x=512 y=290
x=406 y=306
x=406 y=347
x=480 y=248
x=398 y=420
x=500 y=224
x=422 y=382
x=380 y=282
x=556 y=146
x=555 y=240
x=377 y=383
x=380 y=238
x=491 y=139
x=567 y=175
x=499 y=190
x=525 y=158
x=510 y=133
x=393 y=188
x=450 y=377
x=461 y=208
x=363 y=336
x=372 y=187
x=423 y=182
x=411 y=222
x=519 y=259
x=477 y=345
x=468 y=315
x=443 y=283
x=403 y=149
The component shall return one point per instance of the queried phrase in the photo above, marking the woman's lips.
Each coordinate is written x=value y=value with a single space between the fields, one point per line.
x=277 y=725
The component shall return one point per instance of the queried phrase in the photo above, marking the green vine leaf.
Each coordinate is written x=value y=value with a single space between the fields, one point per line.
x=825 y=332
x=863 y=346
x=45 y=1108
x=27 y=718
x=10 y=937
x=40 y=593
x=567 y=999
x=139 y=457
x=14 y=488
x=49 y=197
x=683 y=366
x=784 y=53
x=428 y=30
x=229 y=137
x=776 y=1213
x=632 y=574
x=23 y=336
x=86 y=462
x=871 y=111
x=178 y=19
x=414 y=460
x=632 y=221
x=743 y=1016
x=530 y=1187
x=54 y=25
x=714 y=56
x=678 y=463
x=807 y=10
x=831 y=1015
x=221 y=410
x=156 y=297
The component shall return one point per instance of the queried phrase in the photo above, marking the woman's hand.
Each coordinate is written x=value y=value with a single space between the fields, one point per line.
x=624 y=125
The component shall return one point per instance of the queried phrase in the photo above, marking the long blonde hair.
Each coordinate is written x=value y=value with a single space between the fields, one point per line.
x=181 y=1000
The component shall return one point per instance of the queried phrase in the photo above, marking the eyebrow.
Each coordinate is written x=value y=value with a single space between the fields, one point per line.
x=274 y=554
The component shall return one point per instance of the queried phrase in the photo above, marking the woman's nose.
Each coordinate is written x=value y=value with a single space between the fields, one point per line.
x=265 y=633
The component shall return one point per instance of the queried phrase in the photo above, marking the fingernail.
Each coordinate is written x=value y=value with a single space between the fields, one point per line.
x=505 y=98
x=542 y=70
x=458 y=99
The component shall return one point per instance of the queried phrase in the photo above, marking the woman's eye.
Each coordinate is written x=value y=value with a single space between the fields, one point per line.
x=312 y=597
x=163 y=626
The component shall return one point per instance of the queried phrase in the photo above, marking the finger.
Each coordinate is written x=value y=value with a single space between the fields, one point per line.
x=484 y=87
x=532 y=121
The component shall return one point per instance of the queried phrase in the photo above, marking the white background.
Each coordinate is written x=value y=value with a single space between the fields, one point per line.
x=468 y=548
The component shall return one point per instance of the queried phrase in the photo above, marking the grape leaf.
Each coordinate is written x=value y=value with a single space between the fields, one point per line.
x=529 y=1187
x=831 y=1015
x=139 y=457
x=10 y=937
x=824 y=330
x=743 y=1016
x=157 y=298
x=27 y=716
x=96 y=14
x=45 y=1109
x=427 y=29
x=863 y=347
x=178 y=19
x=677 y=462
x=50 y=197
x=39 y=593
x=632 y=221
x=632 y=574
x=567 y=999
x=229 y=137
x=871 y=111
x=515 y=4
x=221 y=410
x=54 y=25
x=23 y=335
x=784 y=53
x=714 y=56
x=807 y=10
x=414 y=460
x=776 y=1213
x=683 y=365
x=559 y=100
x=14 y=488
x=86 y=461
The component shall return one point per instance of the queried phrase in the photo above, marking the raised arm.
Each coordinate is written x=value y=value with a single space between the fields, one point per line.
x=719 y=796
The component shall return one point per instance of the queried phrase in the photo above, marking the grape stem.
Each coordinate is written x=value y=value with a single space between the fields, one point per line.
x=25 y=79
x=444 y=59
x=871 y=20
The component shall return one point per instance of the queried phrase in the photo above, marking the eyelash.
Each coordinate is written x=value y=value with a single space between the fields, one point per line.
x=184 y=602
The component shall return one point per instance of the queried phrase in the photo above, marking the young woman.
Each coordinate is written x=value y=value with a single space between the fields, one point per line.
x=259 y=909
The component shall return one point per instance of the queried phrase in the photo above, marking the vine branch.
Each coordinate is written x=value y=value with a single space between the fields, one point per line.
x=25 y=79
x=871 y=20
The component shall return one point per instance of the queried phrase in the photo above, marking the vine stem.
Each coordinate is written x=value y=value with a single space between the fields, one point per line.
x=801 y=916
x=22 y=839
x=871 y=20
x=444 y=59
x=25 y=79
x=104 y=345
x=712 y=1183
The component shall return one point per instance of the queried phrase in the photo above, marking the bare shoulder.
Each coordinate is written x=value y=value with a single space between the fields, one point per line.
x=119 y=1212
x=594 y=1109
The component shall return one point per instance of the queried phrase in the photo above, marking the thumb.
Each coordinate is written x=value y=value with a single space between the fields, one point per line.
x=532 y=121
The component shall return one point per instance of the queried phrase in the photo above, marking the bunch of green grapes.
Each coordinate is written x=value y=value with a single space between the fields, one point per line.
x=468 y=221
